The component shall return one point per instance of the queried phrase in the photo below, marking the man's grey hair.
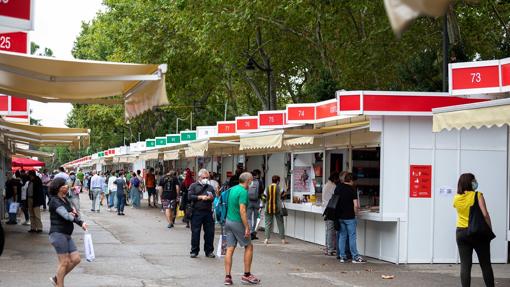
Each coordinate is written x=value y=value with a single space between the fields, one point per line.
x=245 y=176
x=94 y=172
x=202 y=172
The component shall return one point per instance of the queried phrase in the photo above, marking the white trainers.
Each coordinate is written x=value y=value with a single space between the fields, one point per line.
x=26 y=223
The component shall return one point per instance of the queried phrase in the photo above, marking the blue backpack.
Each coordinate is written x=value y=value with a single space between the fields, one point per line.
x=221 y=207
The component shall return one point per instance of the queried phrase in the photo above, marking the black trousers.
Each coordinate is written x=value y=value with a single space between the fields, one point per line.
x=199 y=219
x=483 y=251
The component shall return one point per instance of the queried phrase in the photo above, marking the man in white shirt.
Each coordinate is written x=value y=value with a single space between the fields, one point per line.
x=96 y=186
x=113 y=191
x=62 y=174
x=327 y=193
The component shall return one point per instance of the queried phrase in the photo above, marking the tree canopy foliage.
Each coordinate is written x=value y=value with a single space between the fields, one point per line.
x=313 y=48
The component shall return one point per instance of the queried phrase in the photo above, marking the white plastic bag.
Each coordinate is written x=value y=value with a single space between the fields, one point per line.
x=13 y=208
x=145 y=195
x=89 y=247
x=221 y=250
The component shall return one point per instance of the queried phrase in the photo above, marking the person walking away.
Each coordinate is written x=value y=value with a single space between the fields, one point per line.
x=96 y=186
x=12 y=186
x=255 y=192
x=273 y=196
x=238 y=231
x=135 y=191
x=150 y=184
x=22 y=196
x=35 y=198
x=346 y=210
x=112 y=187
x=187 y=182
x=170 y=186
x=121 y=186
x=327 y=193
x=465 y=198
x=62 y=174
x=106 y=190
x=81 y=176
x=74 y=191
x=141 y=188
x=201 y=196
x=62 y=217
x=45 y=178
x=103 y=188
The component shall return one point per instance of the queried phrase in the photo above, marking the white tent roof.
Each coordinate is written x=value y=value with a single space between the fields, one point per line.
x=139 y=86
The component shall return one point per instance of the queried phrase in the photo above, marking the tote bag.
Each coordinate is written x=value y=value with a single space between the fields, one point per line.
x=13 y=208
x=89 y=247
x=478 y=228
x=221 y=249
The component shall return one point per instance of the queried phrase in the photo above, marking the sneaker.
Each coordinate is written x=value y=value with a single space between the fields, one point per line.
x=193 y=255
x=53 y=280
x=92 y=210
x=170 y=225
x=342 y=259
x=109 y=209
x=26 y=223
x=228 y=280
x=266 y=241
x=250 y=279
x=32 y=231
x=210 y=255
x=122 y=213
x=359 y=259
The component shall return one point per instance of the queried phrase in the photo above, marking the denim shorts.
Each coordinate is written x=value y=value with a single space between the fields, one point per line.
x=234 y=231
x=62 y=243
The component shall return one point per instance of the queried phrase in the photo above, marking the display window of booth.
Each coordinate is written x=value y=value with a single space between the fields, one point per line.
x=366 y=172
x=307 y=177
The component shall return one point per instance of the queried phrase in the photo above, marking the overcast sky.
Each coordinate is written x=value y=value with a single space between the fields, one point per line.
x=57 y=24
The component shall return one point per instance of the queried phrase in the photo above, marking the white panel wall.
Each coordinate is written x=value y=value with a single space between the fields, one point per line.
x=254 y=162
x=276 y=166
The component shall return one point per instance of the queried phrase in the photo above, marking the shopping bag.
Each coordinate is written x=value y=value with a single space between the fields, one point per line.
x=89 y=247
x=145 y=195
x=13 y=208
x=221 y=250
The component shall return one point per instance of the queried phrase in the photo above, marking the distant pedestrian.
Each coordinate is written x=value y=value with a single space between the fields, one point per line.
x=62 y=217
x=74 y=191
x=35 y=198
x=112 y=187
x=96 y=187
x=12 y=186
x=255 y=192
x=201 y=196
x=45 y=178
x=62 y=174
x=184 y=204
x=135 y=190
x=237 y=230
x=121 y=187
x=327 y=193
x=22 y=196
x=463 y=201
x=273 y=196
x=150 y=184
x=170 y=188
x=347 y=209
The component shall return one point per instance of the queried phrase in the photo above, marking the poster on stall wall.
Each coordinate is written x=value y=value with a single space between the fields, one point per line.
x=420 y=181
x=303 y=176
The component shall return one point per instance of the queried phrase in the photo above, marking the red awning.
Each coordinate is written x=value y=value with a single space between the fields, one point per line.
x=22 y=162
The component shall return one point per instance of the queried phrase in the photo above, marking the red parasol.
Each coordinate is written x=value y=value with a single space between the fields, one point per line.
x=23 y=162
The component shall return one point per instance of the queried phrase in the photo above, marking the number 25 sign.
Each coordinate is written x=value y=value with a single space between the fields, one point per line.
x=474 y=77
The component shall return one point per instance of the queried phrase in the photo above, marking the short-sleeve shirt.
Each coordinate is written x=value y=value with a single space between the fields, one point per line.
x=345 y=208
x=170 y=194
x=150 y=180
x=463 y=202
x=120 y=182
x=238 y=195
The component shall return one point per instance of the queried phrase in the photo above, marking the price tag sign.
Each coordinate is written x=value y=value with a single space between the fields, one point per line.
x=474 y=78
x=420 y=181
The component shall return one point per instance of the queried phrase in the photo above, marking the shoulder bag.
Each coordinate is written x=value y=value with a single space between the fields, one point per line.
x=478 y=228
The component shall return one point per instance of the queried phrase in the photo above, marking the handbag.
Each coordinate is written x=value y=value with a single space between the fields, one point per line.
x=13 y=208
x=284 y=211
x=330 y=210
x=478 y=228
x=89 y=247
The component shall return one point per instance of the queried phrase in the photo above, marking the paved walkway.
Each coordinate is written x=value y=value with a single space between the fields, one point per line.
x=138 y=250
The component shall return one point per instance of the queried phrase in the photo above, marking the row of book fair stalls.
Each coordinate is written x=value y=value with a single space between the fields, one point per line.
x=406 y=173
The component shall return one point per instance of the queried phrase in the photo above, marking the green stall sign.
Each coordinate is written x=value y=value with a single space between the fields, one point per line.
x=150 y=143
x=161 y=141
x=188 y=136
x=173 y=139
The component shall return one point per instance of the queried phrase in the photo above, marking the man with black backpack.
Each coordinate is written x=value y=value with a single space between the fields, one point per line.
x=171 y=189
x=255 y=191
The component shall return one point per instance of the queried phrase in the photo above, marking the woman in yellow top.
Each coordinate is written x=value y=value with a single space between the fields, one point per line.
x=464 y=199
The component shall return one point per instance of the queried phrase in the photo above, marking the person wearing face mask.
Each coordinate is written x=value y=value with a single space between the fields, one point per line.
x=201 y=196
x=465 y=198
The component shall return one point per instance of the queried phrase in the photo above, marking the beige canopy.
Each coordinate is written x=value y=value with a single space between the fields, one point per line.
x=139 y=86
x=44 y=136
x=477 y=115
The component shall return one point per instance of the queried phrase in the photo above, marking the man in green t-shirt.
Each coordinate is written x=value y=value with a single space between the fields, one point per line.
x=80 y=175
x=237 y=229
